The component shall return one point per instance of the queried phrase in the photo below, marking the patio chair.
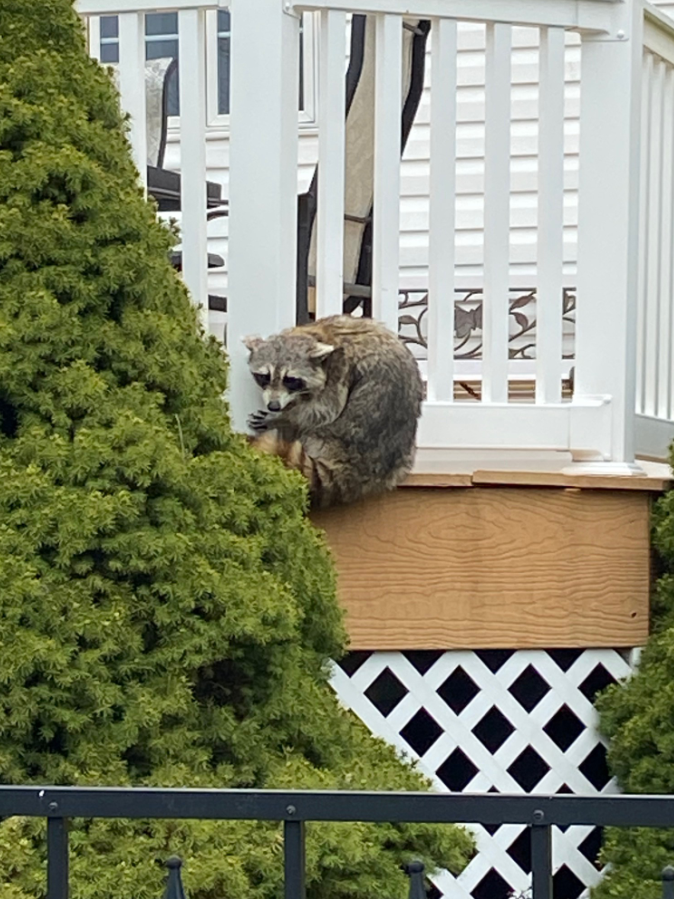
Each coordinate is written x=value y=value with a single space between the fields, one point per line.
x=359 y=152
x=164 y=185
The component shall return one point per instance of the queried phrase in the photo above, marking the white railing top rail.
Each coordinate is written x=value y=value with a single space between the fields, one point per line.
x=658 y=32
x=659 y=18
x=601 y=16
x=119 y=7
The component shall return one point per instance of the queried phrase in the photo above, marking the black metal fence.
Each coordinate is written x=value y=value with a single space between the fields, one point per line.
x=294 y=809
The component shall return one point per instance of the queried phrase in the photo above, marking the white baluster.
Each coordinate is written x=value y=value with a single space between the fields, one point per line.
x=192 y=68
x=496 y=215
x=664 y=402
x=640 y=400
x=132 y=83
x=94 y=37
x=653 y=248
x=442 y=212
x=331 y=155
x=550 y=237
x=387 y=142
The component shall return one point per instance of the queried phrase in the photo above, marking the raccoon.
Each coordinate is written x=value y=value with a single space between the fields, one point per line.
x=342 y=400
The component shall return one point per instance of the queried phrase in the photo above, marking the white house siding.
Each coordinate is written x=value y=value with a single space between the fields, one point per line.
x=470 y=166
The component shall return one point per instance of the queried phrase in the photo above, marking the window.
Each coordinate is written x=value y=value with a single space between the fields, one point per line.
x=161 y=40
x=109 y=39
x=224 y=44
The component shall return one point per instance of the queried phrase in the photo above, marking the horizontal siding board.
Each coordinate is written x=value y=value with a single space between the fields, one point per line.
x=470 y=211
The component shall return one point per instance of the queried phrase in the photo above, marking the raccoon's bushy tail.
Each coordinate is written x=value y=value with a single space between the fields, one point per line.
x=325 y=485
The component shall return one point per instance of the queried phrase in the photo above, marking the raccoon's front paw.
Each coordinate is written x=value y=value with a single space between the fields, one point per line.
x=260 y=421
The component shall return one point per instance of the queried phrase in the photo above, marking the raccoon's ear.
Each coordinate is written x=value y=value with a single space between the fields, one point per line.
x=321 y=351
x=252 y=343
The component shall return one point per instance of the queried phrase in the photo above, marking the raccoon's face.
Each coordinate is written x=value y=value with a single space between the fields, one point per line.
x=287 y=367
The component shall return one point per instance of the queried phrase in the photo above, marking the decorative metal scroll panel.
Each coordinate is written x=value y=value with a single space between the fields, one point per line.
x=413 y=324
x=495 y=721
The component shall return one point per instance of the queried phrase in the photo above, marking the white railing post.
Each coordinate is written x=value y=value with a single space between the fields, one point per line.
x=655 y=334
x=608 y=226
x=263 y=183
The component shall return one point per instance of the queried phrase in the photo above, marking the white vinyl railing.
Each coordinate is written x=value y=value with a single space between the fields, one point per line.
x=598 y=426
x=655 y=325
x=625 y=278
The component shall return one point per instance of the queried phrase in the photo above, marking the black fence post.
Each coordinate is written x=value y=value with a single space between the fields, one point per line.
x=668 y=882
x=57 y=858
x=541 y=860
x=415 y=872
x=294 y=859
x=174 y=882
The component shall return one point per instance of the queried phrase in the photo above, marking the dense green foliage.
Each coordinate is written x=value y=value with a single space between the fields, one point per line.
x=638 y=719
x=166 y=610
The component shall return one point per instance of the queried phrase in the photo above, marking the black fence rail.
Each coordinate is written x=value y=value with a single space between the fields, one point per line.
x=294 y=809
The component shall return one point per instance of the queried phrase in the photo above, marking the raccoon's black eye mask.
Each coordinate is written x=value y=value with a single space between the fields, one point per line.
x=294 y=385
x=262 y=379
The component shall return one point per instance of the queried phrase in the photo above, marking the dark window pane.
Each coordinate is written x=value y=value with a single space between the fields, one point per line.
x=157 y=49
x=223 y=21
x=223 y=75
x=224 y=24
x=110 y=53
x=161 y=23
x=109 y=26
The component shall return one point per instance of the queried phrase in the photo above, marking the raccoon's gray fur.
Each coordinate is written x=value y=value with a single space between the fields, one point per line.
x=342 y=398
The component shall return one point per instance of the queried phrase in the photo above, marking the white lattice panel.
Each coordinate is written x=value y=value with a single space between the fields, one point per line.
x=495 y=721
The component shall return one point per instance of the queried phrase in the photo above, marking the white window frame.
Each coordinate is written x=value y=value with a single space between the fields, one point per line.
x=310 y=39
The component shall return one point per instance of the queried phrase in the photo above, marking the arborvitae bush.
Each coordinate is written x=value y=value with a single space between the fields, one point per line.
x=638 y=719
x=166 y=610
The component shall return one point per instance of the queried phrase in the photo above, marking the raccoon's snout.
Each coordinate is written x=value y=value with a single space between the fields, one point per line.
x=274 y=406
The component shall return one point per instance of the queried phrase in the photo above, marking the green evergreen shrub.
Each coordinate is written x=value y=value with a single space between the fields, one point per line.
x=638 y=719
x=166 y=610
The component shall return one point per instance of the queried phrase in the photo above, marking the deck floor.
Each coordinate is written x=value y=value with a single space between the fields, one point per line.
x=443 y=468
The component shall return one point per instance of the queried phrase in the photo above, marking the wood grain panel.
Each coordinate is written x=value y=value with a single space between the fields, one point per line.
x=493 y=567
